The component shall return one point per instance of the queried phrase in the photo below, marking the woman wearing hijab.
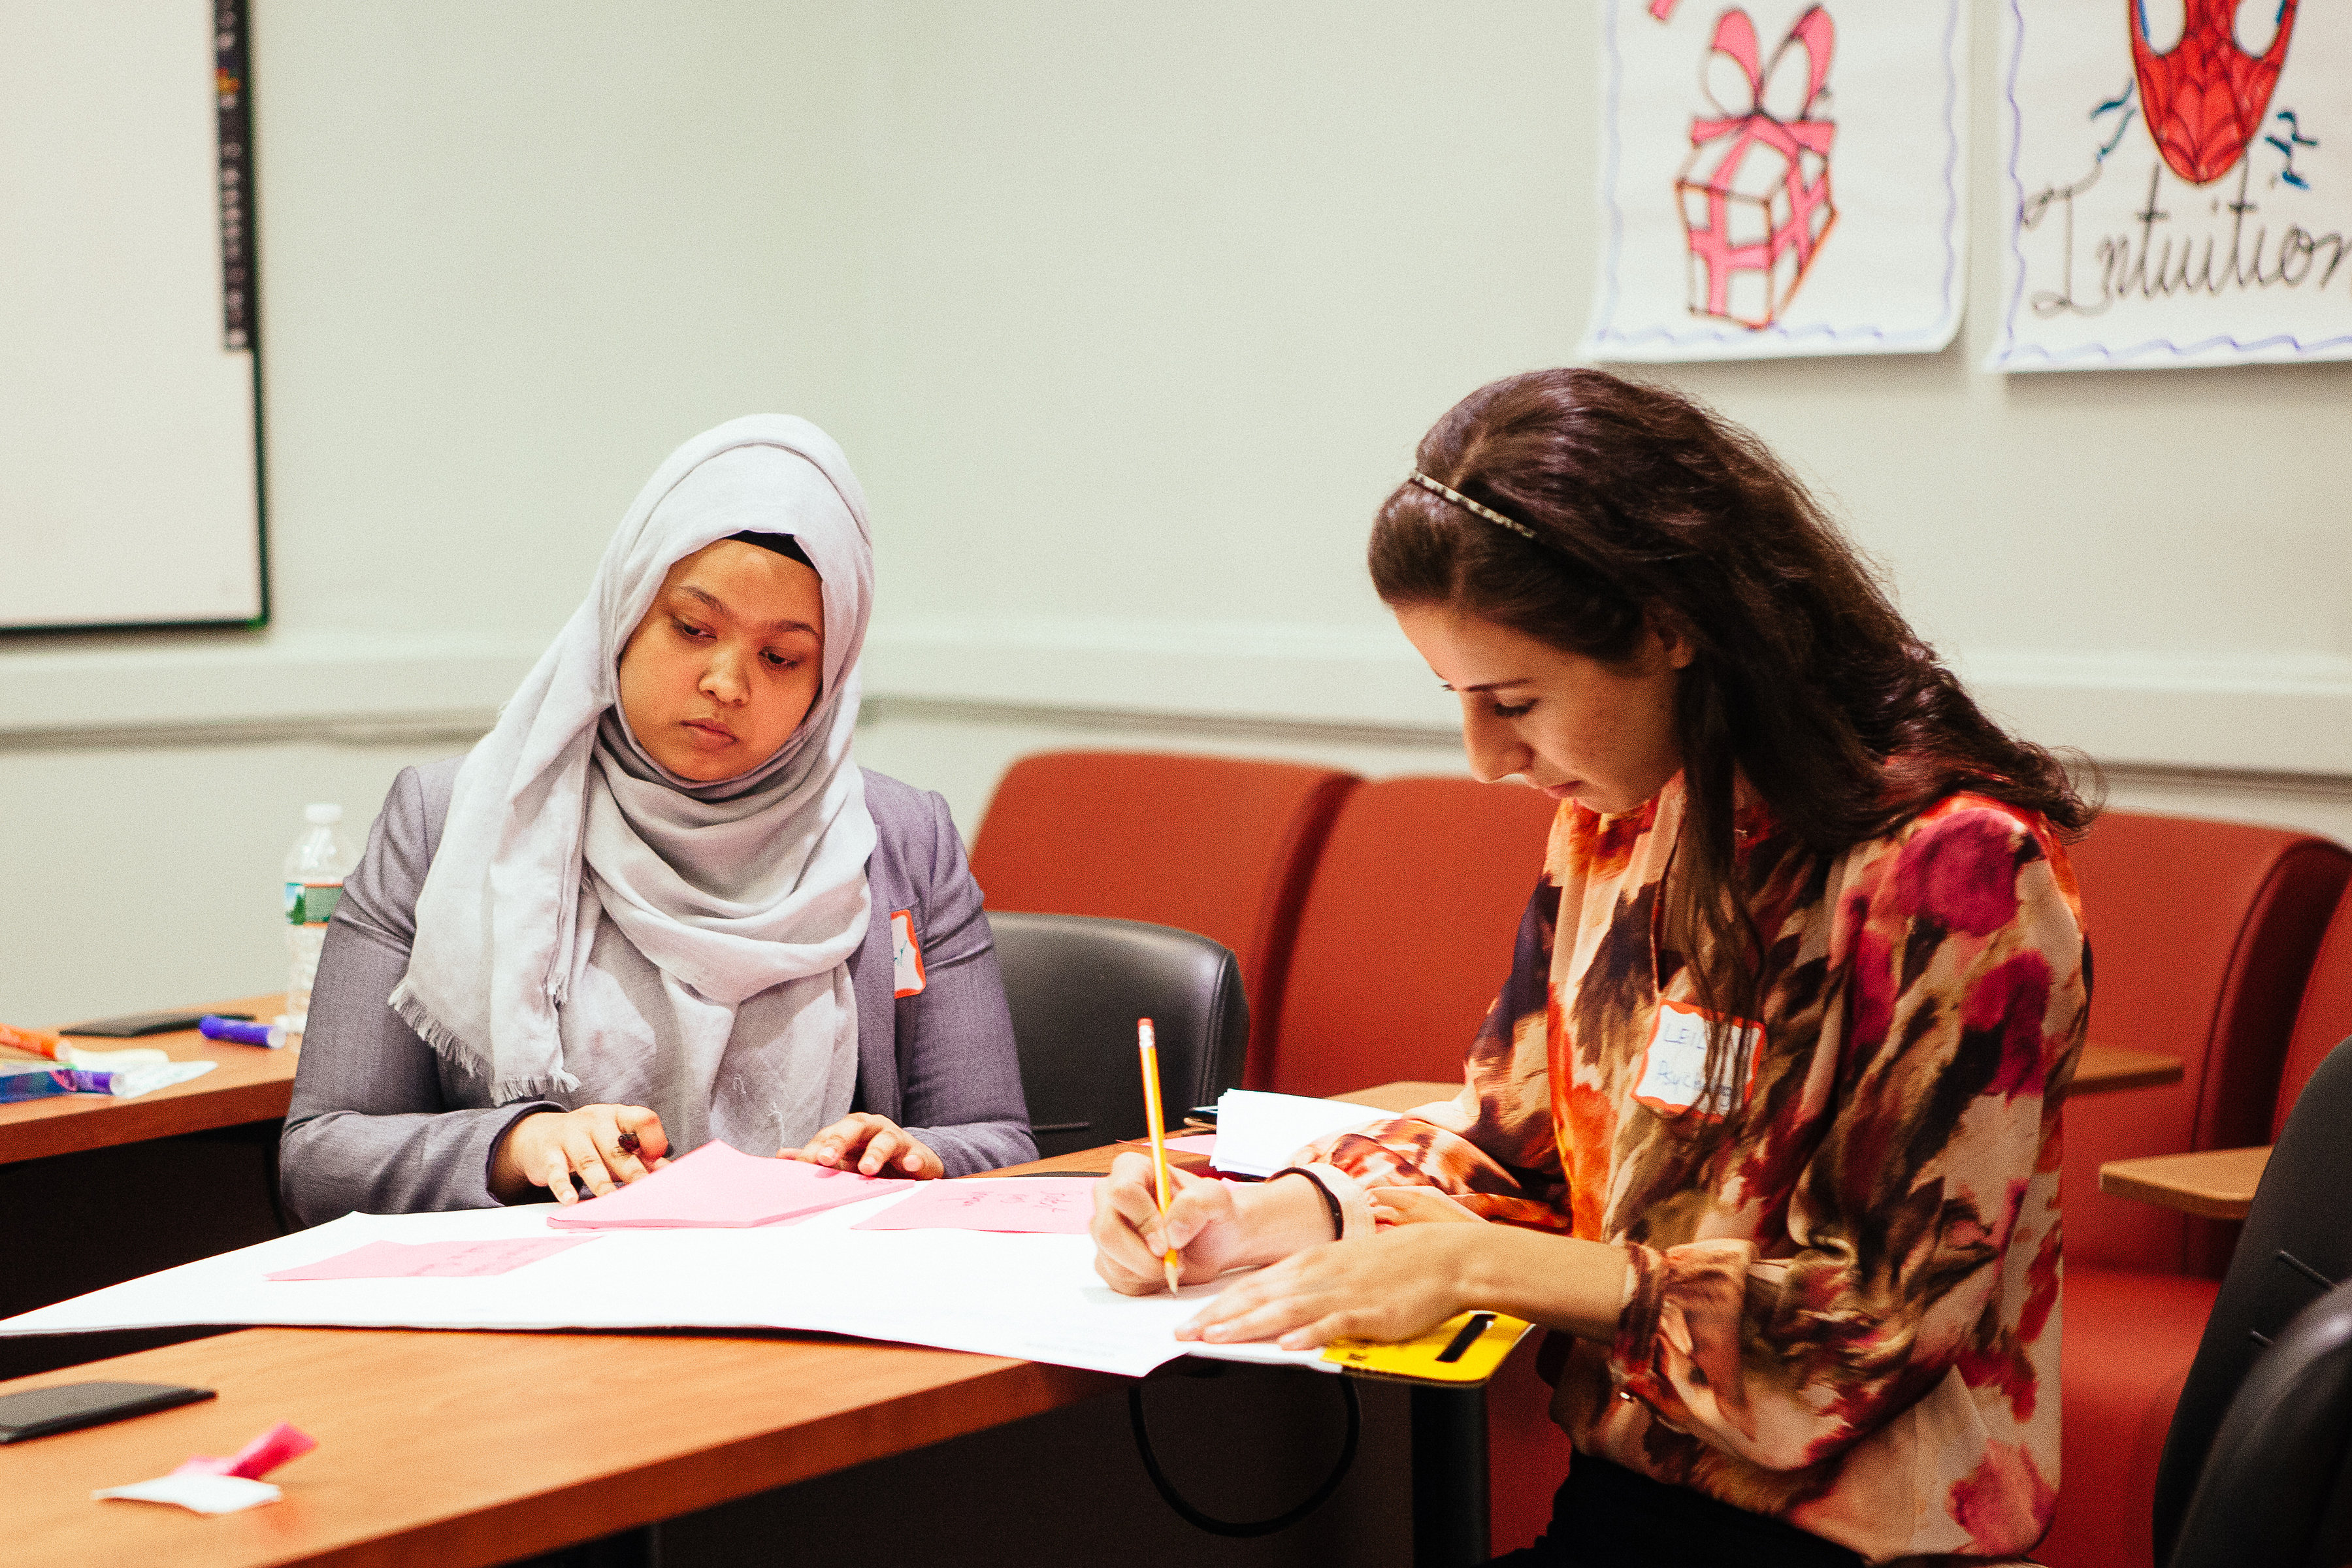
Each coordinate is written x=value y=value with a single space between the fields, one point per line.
x=658 y=905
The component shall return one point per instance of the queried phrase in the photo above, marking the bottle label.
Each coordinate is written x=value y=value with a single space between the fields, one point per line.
x=312 y=903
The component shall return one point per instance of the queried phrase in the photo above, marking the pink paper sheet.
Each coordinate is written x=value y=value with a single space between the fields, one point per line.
x=718 y=1188
x=433 y=1259
x=1194 y=1143
x=1056 y=1205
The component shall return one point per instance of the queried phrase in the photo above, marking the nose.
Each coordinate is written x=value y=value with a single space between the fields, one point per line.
x=1495 y=751
x=722 y=678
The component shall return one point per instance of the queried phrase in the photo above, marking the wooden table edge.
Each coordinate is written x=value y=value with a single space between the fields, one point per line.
x=2210 y=1184
x=2107 y=1070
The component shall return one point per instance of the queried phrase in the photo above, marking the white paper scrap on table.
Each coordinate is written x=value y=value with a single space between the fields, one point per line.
x=198 y=1493
x=1034 y=1297
x=1259 y=1133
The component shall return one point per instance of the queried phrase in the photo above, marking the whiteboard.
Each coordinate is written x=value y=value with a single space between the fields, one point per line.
x=129 y=463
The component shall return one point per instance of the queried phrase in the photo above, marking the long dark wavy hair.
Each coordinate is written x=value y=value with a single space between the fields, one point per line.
x=1806 y=680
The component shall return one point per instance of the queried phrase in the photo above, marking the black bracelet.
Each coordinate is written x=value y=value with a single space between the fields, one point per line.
x=1331 y=1199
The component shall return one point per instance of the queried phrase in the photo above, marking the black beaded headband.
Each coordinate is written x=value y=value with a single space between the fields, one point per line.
x=1488 y=512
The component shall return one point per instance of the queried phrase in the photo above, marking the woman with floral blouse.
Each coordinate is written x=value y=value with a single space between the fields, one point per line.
x=1765 y=1120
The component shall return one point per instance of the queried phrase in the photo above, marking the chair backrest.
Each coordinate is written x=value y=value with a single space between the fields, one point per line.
x=2202 y=934
x=2325 y=1016
x=1076 y=985
x=1406 y=933
x=2277 y=1491
x=2297 y=1243
x=1221 y=846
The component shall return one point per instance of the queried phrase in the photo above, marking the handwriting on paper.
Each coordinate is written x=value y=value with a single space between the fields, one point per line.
x=433 y=1259
x=1058 y=1205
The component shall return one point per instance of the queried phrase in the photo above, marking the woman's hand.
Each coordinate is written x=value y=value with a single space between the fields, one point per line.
x=547 y=1148
x=1214 y=1225
x=873 y=1146
x=1418 y=1205
x=1393 y=1286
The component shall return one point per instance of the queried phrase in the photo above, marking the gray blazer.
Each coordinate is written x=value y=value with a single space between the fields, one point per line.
x=377 y=1126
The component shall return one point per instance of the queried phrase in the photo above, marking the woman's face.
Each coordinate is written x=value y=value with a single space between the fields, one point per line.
x=727 y=662
x=1569 y=724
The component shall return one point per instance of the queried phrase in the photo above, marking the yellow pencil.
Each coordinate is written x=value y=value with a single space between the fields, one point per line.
x=1145 y=1044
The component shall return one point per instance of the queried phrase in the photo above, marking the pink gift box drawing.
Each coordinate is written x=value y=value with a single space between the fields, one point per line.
x=1755 y=191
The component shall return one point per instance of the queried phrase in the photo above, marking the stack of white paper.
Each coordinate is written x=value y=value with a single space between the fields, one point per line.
x=1258 y=1134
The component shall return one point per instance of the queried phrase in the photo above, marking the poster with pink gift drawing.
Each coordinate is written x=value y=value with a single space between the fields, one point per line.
x=1781 y=177
x=2176 y=177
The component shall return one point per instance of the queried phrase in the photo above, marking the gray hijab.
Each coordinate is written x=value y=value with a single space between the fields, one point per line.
x=596 y=926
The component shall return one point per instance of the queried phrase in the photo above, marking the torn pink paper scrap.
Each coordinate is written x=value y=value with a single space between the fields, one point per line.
x=433 y=1259
x=207 y=1485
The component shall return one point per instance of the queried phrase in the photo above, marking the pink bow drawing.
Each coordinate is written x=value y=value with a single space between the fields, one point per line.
x=1755 y=191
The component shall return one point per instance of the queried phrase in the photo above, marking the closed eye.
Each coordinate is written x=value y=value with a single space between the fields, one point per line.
x=689 y=629
x=1521 y=711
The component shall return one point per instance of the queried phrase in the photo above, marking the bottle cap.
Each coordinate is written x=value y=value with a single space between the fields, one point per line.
x=322 y=816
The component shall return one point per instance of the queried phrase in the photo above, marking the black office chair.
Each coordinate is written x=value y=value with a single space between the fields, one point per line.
x=2257 y=1467
x=1076 y=985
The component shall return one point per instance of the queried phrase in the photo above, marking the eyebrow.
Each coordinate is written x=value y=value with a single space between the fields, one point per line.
x=1491 y=685
x=719 y=604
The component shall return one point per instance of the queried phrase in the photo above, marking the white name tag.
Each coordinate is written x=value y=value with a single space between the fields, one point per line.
x=1674 y=1069
x=905 y=955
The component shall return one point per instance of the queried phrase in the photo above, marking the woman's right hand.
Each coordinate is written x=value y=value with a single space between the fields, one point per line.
x=1214 y=1226
x=547 y=1148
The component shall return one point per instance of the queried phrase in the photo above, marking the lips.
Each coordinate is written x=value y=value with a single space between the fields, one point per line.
x=709 y=730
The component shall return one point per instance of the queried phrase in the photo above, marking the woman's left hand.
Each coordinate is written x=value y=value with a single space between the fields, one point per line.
x=1419 y=1205
x=872 y=1146
x=1394 y=1286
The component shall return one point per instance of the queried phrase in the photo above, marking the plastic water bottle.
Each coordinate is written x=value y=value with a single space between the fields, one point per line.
x=315 y=870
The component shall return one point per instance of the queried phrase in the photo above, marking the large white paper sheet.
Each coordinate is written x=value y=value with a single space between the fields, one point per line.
x=2177 y=184
x=1031 y=1296
x=1781 y=177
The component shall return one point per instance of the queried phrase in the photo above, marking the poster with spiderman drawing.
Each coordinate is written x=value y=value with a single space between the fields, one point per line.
x=1781 y=177
x=2178 y=178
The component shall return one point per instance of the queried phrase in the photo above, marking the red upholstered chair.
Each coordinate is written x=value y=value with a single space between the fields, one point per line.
x=2201 y=936
x=1406 y=933
x=2324 y=1019
x=1220 y=845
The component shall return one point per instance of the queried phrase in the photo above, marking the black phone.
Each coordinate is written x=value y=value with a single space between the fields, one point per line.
x=38 y=1412
x=130 y=1025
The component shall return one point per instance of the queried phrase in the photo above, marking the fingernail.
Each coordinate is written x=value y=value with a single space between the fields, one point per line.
x=913 y=1162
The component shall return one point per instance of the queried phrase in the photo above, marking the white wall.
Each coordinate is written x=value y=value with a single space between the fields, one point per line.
x=1128 y=318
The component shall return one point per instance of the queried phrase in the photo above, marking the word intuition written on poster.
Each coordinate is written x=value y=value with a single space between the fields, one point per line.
x=2181 y=182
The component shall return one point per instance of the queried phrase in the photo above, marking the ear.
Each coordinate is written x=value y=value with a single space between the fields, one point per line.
x=1665 y=632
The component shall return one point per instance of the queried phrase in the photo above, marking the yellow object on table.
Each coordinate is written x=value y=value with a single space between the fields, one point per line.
x=1466 y=1348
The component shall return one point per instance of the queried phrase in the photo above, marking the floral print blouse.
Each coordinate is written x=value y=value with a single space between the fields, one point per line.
x=1844 y=1310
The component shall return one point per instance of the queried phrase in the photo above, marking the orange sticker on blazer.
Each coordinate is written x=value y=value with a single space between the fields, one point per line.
x=905 y=955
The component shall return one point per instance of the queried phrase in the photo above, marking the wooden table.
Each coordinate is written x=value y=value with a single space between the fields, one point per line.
x=456 y=1448
x=2102 y=1070
x=420 y=1460
x=2215 y=1183
x=252 y=1083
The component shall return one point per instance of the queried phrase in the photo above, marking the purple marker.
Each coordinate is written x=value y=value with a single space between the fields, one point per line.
x=236 y=1031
